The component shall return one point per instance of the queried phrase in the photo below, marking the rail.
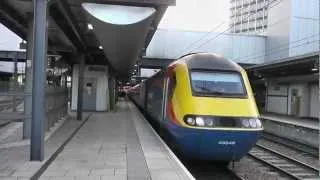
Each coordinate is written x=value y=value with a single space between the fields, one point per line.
x=283 y=163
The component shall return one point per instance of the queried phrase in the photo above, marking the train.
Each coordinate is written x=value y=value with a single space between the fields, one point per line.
x=204 y=102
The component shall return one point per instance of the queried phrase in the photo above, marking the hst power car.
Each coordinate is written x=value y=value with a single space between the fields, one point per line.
x=205 y=103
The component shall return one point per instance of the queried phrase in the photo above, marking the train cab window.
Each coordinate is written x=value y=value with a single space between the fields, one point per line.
x=217 y=83
x=171 y=86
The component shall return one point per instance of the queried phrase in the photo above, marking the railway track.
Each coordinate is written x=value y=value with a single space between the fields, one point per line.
x=287 y=165
x=311 y=151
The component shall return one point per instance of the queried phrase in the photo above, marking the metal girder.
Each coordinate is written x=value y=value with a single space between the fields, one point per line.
x=12 y=54
x=154 y=62
x=61 y=14
x=39 y=78
x=310 y=57
x=11 y=19
x=159 y=14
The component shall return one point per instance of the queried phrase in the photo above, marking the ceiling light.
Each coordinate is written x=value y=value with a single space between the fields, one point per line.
x=135 y=65
x=314 y=69
x=100 y=47
x=90 y=27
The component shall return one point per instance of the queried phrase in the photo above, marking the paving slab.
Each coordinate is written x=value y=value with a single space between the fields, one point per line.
x=15 y=157
x=116 y=145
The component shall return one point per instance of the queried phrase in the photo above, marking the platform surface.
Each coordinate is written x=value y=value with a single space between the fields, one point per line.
x=116 y=145
x=306 y=123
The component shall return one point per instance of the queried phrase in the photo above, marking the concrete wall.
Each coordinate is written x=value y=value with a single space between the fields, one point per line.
x=172 y=44
x=277 y=98
x=304 y=34
x=297 y=133
x=293 y=29
x=278 y=31
x=303 y=93
x=314 y=100
x=102 y=100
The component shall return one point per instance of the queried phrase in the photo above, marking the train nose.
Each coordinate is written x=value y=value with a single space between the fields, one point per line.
x=218 y=145
x=226 y=145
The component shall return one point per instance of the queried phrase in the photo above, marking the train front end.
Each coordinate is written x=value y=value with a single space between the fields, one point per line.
x=211 y=112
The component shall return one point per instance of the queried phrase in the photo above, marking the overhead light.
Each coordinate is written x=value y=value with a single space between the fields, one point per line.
x=100 y=47
x=24 y=41
x=314 y=69
x=90 y=27
x=135 y=65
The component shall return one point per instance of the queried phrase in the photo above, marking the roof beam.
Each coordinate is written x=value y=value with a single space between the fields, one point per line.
x=62 y=15
x=158 y=16
x=154 y=62
x=130 y=2
x=12 y=19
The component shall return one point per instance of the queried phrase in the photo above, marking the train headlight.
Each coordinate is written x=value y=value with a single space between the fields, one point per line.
x=191 y=121
x=245 y=123
x=200 y=121
x=259 y=124
x=253 y=123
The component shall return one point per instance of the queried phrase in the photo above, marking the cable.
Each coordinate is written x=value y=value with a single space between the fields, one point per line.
x=208 y=33
x=249 y=15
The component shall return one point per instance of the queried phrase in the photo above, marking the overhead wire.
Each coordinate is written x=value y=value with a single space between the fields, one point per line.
x=249 y=15
x=202 y=37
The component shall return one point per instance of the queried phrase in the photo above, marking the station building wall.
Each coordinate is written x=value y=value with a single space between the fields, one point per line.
x=100 y=74
x=293 y=98
x=314 y=100
x=171 y=44
x=293 y=29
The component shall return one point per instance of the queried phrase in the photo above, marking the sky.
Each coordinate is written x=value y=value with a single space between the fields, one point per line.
x=197 y=15
x=8 y=40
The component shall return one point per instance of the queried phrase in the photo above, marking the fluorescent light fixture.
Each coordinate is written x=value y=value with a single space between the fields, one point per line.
x=314 y=69
x=135 y=65
x=100 y=47
x=118 y=14
x=90 y=27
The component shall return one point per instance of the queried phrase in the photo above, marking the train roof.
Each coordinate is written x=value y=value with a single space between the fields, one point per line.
x=209 y=61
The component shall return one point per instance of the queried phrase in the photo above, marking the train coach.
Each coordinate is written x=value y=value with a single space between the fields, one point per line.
x=204 y=102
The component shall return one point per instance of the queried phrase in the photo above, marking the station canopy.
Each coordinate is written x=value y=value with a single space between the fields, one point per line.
x=109 y=32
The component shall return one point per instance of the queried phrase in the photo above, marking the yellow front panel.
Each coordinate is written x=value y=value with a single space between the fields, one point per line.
x=184 y=103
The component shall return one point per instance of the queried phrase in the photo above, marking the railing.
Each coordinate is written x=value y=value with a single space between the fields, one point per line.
x=12 y=104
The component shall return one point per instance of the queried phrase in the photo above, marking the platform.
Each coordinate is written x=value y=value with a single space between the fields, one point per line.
x=116 y=145
x=304 y=131
x=307 y=123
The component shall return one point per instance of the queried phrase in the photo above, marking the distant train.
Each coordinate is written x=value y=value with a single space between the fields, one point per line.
x=206 y=105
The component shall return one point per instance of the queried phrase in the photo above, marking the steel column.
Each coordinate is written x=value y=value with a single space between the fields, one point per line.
x=80 y=87
x=39 y=79
x=28 y=82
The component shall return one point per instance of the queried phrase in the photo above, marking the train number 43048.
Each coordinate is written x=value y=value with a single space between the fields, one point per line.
x=227 y=142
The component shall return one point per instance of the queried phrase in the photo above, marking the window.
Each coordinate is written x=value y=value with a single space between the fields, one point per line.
x=171 y=86
x=217 y=83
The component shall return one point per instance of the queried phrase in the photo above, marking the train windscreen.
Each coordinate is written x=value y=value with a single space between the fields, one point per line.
x=215 y=83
